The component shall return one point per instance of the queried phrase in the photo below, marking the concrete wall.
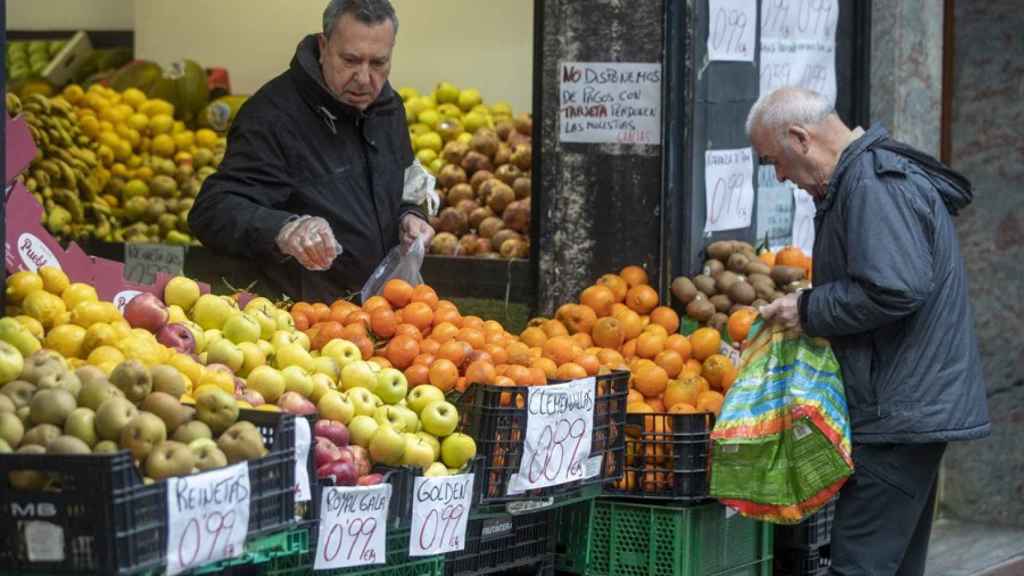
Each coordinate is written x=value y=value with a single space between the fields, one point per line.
x=70 y=14
x=486 y=44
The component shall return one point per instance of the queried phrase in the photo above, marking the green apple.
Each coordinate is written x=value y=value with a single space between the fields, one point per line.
x=211 y=312
x=343 y=352
x=283 y=319
x=176 y=314
x=412 y=421
x=12 y=430
x=16 y=334
x=293 y=355
x=211 y=336
x=387 y=415
x=363 y=400
x=181 y=291
x=11 y=362
x=296 y=379
x=143 y=433
x=242 y=328
x=94 y=393
x=433 y=441
x=361 y=374
x=267 y=348
x=327 y=366
x=252 y=357
x=457 y=449
x=266 y=321
x=282 y=337
x=387 y=446
x=336 y=406
x=105 y=447
x=322 y=384
x=81 y=424
x=301 y=339
x=259 y=303
x=268 y=381
x=422 y=395
x=391 y=385
x=225 y=352
x=198 y=334
x=417 y=452
x=436 y=469
x=362 y=429
x=439 y=418
x=216 y=408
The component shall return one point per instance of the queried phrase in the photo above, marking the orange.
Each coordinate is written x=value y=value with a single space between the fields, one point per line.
x=671 y=361
x=426 y=295
x=638 y=408
x=656 y=329
x=583 y=340
x=554 y=328
x=657 y=405
x=740 y=322
x=409 y=330
x=383 y=322
x=649 y=345
x=517 y=353
x=634 y=276
x=650 y=381
x=768 y=257
x=559 y=349
x=616 y=284
x=607 y=333
x=682 y=408
x=714 y=368
x=547 y=365
x=398 y=292
x=444 y=332
x=428 y=346
x=374 y=302
x=496 y=338
x=401 y=350
x=590 y=363
x=364 y=344
x=666 y=318
x=417 y=374
x=321 y=312
x=473 y=322
x=340 y=310
x=497 y=352
x=445 y=304
x=472 y=336
x=642 y=299
x=419 y=315
x=443 y=374
x=679 y=344
x=610 y=357
x=358 y=317
x=481 y=372
x=728 y=378
x=328 y=331
x=533 y=336
x=705 y=342
x=598 y=298
x=791 y=256
x=634 y=396
x=710 y=401
x=452 y=351
x=538 y=376
x=692 y=367
x=424 y=358
x=519 y=374
x=632 y=324
x=629 y=349
x=446 y=314
x=682 y=391
x=493 y=326
x=576 y=317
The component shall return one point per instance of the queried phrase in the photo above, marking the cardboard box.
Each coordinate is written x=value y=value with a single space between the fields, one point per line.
x=62 y=69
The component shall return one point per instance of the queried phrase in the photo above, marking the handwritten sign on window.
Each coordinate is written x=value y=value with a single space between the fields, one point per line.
x=440 y=512
x=774 y=208
x=731 y=30
x=353 y=526
x=803 y=221
x=798 y=45
x=729 y=189
x=142 y=262
x=610 y=103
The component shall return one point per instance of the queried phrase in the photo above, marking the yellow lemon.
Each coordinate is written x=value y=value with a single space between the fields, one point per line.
x=139 y=121
x=268 y=408
x=179 y=126
x=55 y=281
x=121 y=328
x=157 y=107
x=161 y=124
x=45 y=307
x=77 y=293
x=184 y=140
x=110 y=140
x=123 y=151
x=106 y=154
x=163 y=145
x=219 y=379
x=73 y=93
x=206 y=138
x=145 y=350
x=33 y=325
x=98 y=335
x=190 y=368
x=66 y=339
x=134 y=97
x=89 y=312
x=105 y=355
x=90 y=126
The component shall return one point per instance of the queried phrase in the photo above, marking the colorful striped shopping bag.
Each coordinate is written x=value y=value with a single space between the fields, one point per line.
x=781 y=446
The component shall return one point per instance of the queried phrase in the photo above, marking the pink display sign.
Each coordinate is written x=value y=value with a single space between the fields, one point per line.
x=20 y=149
x=29 y=246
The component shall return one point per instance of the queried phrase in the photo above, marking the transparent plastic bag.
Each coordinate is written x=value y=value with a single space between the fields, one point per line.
x=397 y=264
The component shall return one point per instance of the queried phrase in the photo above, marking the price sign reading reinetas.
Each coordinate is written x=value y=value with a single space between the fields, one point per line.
x=559 y=430
x=353 y=526
x=207 y=517
x=440 y=511
x=729 y=189
x=302 y=442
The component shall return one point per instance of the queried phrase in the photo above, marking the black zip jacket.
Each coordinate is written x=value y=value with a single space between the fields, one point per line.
x=294 y=149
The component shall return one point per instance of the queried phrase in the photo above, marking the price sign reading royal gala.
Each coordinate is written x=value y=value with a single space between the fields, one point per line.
x=208 y=517
x=729 y=189
x=440 y=510
x=610 y=103
x=353 y=526
x=559 y=428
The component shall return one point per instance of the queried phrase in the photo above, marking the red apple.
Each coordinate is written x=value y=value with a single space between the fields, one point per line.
x=253 y=397
x=332 y=430
x=344 y=473
x=361 y=458
x=178 y=337
x=325 y=452
x=146 y=311
x=239 y=387
x=294 y=403
x=370 y=480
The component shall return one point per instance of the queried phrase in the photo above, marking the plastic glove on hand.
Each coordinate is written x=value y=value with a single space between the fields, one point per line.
x=310 y=241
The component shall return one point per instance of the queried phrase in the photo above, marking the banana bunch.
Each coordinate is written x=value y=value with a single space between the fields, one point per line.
x=66 y=176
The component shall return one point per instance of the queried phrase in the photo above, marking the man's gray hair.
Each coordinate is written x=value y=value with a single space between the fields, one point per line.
x=784 y=107
x=369 y=12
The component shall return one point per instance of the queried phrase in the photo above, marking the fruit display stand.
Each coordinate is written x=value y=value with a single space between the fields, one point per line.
x=608 y=536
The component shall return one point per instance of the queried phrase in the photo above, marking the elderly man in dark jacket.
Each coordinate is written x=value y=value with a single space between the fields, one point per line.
x=311 y=186
x=890 y=294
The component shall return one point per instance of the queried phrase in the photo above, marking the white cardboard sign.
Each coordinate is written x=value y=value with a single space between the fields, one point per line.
x=732 y=25
x=353 y=526
x=610 y=103
x=798 y=45
x=302 y=442
x=440 y=512
x=728 y=189
x=207 y=517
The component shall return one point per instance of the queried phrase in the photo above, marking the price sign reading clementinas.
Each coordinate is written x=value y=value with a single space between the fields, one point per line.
x=208 y=517
x=440 y=511
x=353 y=526
x=559 y=428
x=729 y=189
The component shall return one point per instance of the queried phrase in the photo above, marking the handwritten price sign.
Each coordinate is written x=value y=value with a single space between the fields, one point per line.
x=208 y=517
x=142 y=262
x=798 y=46
x=353 y=526
x=559 y=430
x=731 y=30
x=729 y=189
x=440 y=511
x=302 y=442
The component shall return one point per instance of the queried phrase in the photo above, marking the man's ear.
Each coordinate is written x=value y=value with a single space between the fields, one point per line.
x=322 y=42
x=801 y=136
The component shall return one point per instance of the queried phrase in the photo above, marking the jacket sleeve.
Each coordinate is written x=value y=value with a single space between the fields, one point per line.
x=889 y=262
x=239 y=210
x=406 y=160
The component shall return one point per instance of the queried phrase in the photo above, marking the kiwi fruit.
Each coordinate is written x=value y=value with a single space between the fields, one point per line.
x=738 y=263
x=764 y=287
x=721 y=250
x=721 y=302
x=755 y=266
x=742 y=293
x=683 y=289
x=725 y=281
x=713 y=268
x=700 y=309
x=784 y=275
x=718 y=321
x=705 y=284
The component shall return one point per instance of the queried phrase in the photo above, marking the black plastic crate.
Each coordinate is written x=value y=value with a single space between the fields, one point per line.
x=803 y=562
x=814 y=532
x=504 y=543
x=496 y=417
x=402 y=481
x=110 y=522
x=667 y=457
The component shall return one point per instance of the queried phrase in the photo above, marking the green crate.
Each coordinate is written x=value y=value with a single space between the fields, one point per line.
x=607 y=537
x=262 y=551
x=398 y=562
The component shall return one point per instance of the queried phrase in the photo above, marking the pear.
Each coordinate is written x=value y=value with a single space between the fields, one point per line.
x=95 y=392
x=192 y=431
x=132 y=378
x=6 y=404
x=242 y=441
x=42 y=363
x=113 y=416
x=29 y=480
x=168 y=379
x=169 y=458
x=142 y=434
x=20 y=392
x=81 y=424
x=105 y=447
x=168 y=409
x=88 y=373
x=40 y=435
x=62 y=380
x=52 y=406
x=67 y=445
x=12 y=430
